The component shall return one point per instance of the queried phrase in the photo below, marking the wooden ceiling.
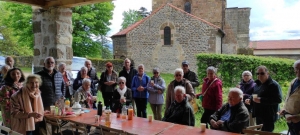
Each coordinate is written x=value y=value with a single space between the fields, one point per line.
x=57 y=3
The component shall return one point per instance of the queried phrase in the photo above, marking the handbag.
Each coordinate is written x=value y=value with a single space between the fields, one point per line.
x=202 y=95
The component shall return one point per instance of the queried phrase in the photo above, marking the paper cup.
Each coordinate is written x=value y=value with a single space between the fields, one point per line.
x=52 y=109
x=150 y=117
x=254 y=95
x=97 y=118
x=202 y=127
x=152 y=81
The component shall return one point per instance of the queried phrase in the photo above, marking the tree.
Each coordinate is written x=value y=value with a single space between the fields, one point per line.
x=88 y=21
x=144 y=12
x=130 y=17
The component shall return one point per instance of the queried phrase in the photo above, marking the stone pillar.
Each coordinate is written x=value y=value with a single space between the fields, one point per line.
x=52 y=30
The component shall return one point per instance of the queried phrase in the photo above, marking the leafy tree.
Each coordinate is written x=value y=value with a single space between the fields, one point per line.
x=130 y=17
x=89 y=22
x=144 y=12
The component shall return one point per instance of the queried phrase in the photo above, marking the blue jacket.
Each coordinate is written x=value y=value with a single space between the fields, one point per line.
x=136 y=82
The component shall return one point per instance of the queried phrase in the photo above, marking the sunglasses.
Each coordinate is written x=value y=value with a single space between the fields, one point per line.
x=261 y=73
x=155 y=72
x=121 y=83
x=178 y=75
x=109 y=66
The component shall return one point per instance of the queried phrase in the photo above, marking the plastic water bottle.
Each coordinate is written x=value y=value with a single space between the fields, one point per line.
x=99 y=108
x=124 y=112
x=130 y=112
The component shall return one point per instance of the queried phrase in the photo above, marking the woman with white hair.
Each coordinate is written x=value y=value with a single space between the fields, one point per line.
x=246 y=85
x=121 y=96
x=68 y=80
x=83 y=95
x=178 y=81
x=180 y=111
x=211 y=94
x=27 y=108
x=79 y=80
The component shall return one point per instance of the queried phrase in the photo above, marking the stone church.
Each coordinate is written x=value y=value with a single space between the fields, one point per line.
x=177 y=30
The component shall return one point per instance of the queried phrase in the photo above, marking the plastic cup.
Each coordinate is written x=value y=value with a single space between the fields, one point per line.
x=152 y=81
x=254 y=95
x=52 y=109
x=202 y=127
x=150 y=117
x=97 y=118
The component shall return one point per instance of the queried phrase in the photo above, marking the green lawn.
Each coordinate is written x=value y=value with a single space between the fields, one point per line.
x=279 y=126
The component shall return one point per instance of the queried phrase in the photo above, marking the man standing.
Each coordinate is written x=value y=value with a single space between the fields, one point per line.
x=233 y=116
x=128 y=72
x=190 y=75
x=92 y=73
x=52 y=83
x=291 y=108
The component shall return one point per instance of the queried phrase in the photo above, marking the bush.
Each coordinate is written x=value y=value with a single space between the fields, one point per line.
x=230 y=67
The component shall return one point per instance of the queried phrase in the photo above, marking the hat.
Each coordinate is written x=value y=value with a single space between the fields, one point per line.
x=185 y=63
x=156 y=69
x=108 y=64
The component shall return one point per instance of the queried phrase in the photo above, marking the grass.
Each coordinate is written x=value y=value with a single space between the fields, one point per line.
x=280 y=125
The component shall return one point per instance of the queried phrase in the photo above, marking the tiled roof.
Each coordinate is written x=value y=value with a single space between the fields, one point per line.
x=131 y=27
x=275 y=44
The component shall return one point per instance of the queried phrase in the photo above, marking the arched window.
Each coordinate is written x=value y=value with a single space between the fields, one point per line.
x=167 y=35
x=187 y=7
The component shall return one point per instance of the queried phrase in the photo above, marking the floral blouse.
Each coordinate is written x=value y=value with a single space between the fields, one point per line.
x=5 y=93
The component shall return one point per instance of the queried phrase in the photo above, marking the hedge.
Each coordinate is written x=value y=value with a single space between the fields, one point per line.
x=230 y=67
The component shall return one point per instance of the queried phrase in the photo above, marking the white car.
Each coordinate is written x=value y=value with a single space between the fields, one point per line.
x=77 y=64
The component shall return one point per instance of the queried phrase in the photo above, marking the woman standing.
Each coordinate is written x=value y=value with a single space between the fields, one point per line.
x=247 y=84
x=122 y=95
x=212 y=94
x=68 y=80
x=12 y=83
x=156 y=88
x=108 y=82
x=79 y=80
x=27 y=107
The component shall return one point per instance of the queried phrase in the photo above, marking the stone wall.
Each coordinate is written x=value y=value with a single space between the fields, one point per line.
x=52 y=30
x=119 y=47
x=190 y=36
x=209 y=10
x=237 y=29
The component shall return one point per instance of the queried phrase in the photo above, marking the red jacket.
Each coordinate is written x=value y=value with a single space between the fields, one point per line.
x=212 y=99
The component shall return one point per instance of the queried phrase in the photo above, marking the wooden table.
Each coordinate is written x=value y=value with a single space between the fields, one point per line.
x=139 y=125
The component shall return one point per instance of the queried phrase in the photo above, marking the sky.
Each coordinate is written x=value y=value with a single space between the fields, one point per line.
x=269 y=19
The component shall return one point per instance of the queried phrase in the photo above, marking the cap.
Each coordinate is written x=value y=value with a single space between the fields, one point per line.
x=185 y=63
x=108 y=64
x=156 y=69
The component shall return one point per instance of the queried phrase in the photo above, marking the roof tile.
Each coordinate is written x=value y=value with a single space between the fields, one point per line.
x=275 y=44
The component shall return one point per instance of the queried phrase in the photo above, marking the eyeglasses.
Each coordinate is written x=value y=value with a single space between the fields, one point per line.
x=155 y=72
x=121 y=83
x=246 y=75
x=261 y=73
x=185 y=65
x=178 y=75
x=108 y=66
x=50 y=62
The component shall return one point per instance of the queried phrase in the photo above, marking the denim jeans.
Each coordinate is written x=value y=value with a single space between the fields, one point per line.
x=141 y=106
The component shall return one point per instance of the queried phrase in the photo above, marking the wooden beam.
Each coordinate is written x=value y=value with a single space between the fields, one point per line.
x=39 y=3
x=71 y=3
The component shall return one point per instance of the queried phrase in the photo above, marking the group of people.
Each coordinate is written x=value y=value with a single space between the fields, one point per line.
x=24 y=101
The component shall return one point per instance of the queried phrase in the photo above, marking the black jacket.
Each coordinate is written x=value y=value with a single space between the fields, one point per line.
x=180 y=113
x=92 y=74
x=129 y=76
x=103 y=79
x=116 y=100
x=193 y=78
x=270 y=97
x=52 y=87
x=238 y=120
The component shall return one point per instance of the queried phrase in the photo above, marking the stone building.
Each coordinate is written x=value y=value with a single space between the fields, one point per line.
x=177 y=30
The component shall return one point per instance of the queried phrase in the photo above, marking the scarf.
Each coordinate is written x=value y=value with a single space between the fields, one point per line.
x=122 y=91
x=32 y=103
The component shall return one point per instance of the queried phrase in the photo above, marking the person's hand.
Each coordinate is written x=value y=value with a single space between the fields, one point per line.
x=35 y=115
x=198 y=95
x=256 y=100
x=220 y=123
x=214 y=124
x=159 y=91
x=281 y=112
x=46 y=112
x=123 y=100
x=294 y=118
x=238 y=86
x=152 y=83
x=247 y=101
x=140 y=88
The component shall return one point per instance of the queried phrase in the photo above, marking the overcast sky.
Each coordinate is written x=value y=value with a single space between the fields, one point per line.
x=269 y=19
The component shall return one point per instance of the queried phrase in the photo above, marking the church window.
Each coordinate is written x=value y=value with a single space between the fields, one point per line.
x=187 y=7
x=167 y=35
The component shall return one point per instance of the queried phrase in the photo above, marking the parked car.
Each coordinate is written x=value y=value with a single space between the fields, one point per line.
x=77 y=64
x=2 y=61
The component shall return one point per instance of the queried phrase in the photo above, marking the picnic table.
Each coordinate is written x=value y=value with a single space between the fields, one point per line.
x=139 y=125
